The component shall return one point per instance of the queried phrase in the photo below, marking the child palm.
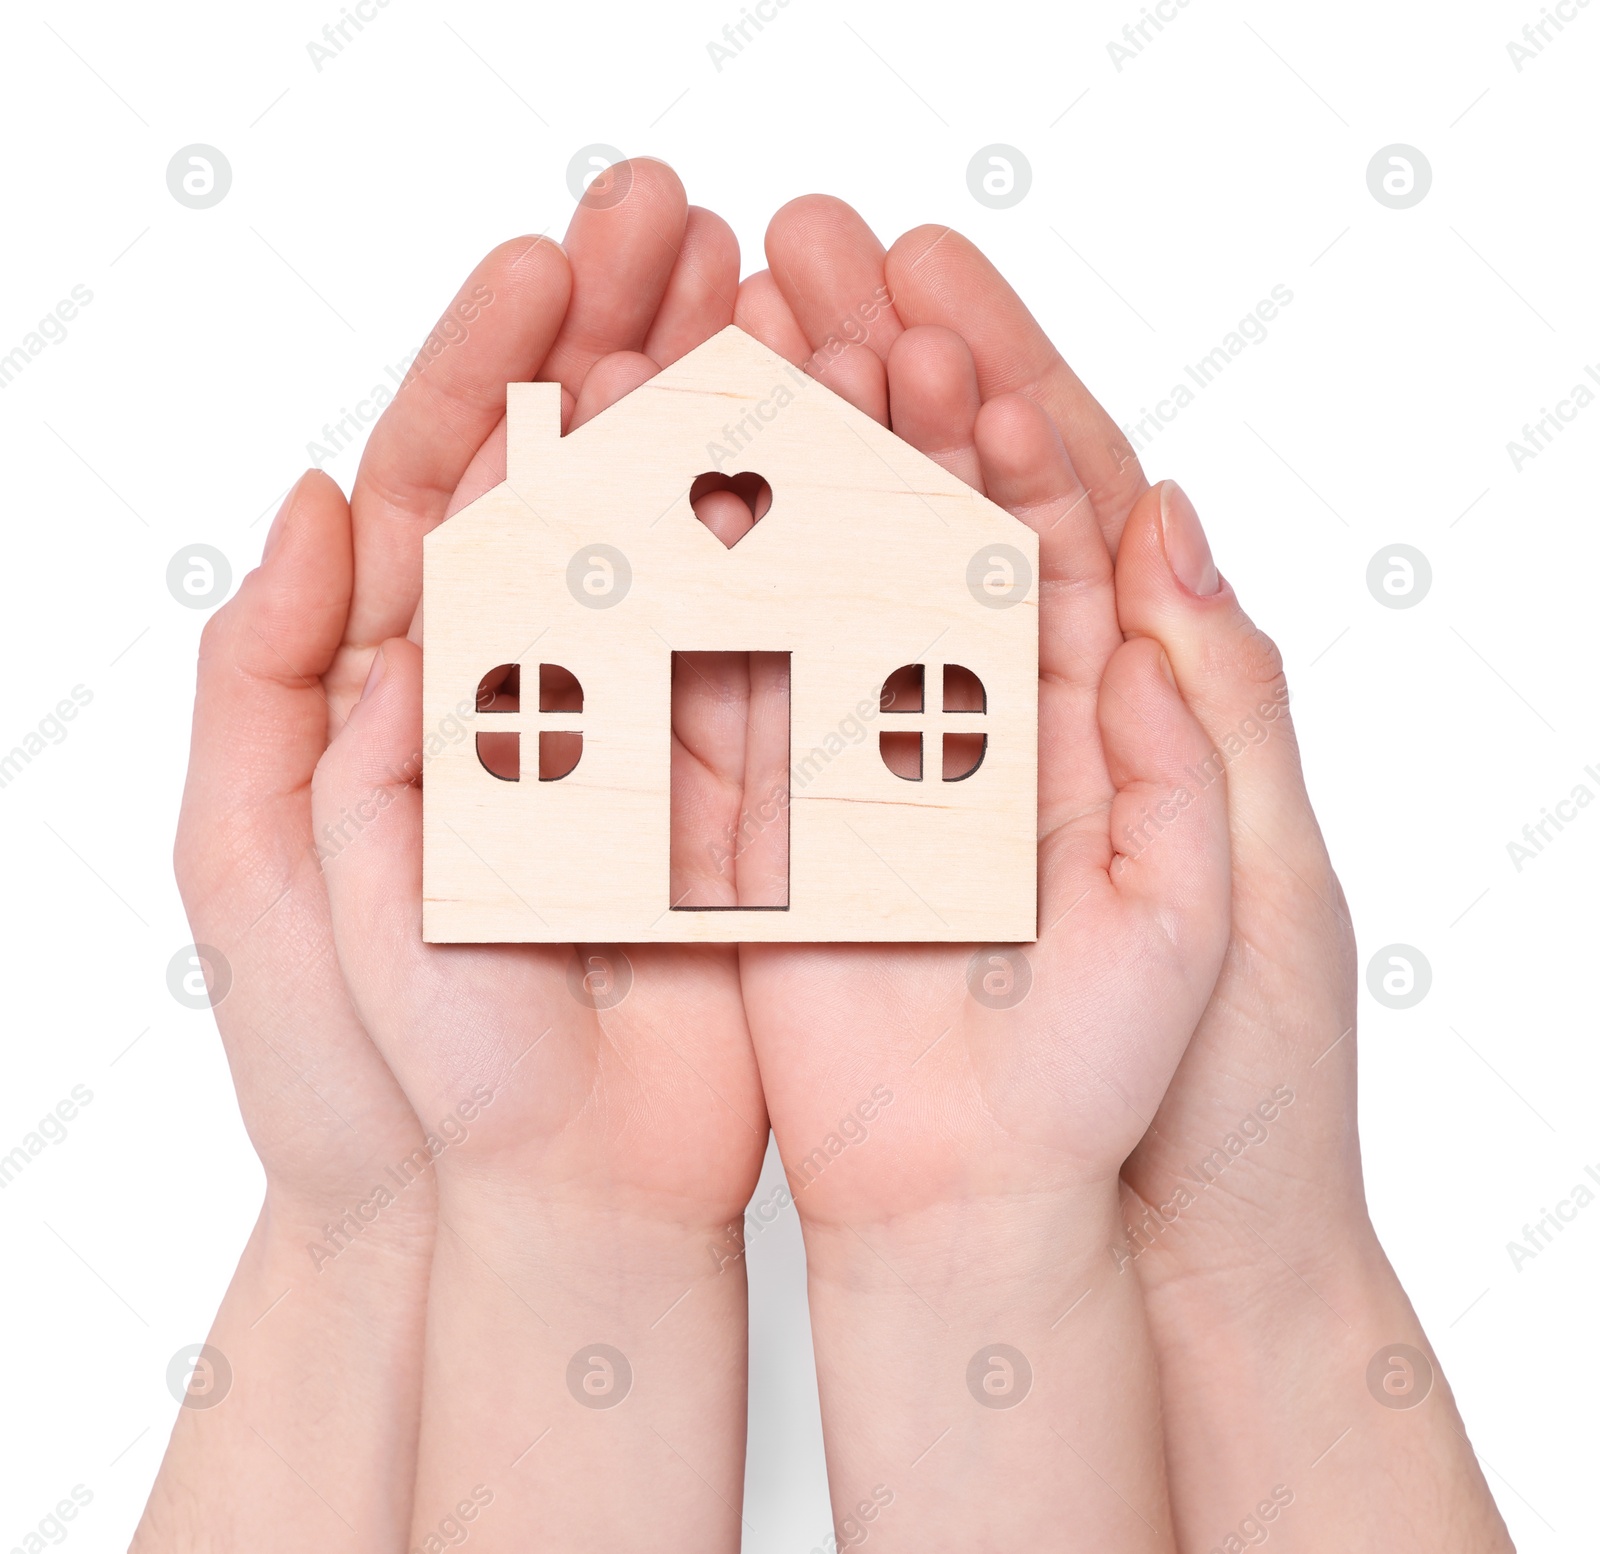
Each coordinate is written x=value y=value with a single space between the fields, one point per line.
x=978 y=1072
x=628 y=1072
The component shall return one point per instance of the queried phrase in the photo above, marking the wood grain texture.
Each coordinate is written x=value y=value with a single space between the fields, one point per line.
x=589 y=556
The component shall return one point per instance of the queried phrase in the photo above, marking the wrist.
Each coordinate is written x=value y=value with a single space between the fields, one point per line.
x=1220 y=1265
x=591 y=1234
x=623 y=1303
x=985 y=1375
x=1025 y=1261
x=385 y=1226
x=326 y=1359
x=1309 y=1378
x=1270 y=1304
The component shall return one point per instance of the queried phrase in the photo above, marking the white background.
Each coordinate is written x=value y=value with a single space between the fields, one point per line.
x=1168 y=198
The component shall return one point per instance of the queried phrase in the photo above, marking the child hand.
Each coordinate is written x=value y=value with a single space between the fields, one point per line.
x=598 y=1111
x=1006 y=1086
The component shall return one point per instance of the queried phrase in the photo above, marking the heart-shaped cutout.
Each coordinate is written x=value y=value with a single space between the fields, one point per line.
x=730 y=506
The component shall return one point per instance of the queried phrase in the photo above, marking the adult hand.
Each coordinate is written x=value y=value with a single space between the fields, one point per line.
x=319 y=1339
x=600 y=1112
x=1247 y=1221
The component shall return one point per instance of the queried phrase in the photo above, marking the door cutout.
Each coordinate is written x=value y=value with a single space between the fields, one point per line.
x=730 y=783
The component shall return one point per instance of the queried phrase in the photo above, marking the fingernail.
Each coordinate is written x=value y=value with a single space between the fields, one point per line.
x=374 y=674
x=280 y=523
x=1188 y=554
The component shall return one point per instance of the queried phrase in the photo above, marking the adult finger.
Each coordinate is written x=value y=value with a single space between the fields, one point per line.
x=761 y=311
x=1027 y=471
x=623 y=253
x=498 y=330
x=934 y=399
x=261 y=718
x=368 y=777
x=609 y=380
x=1169 y=838
x=829 y=266
x=1230 y=672
x=936 y=276
x=701 y=291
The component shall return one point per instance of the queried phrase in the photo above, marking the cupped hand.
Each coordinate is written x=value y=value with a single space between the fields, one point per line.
x=585 y=1068
x=1005 y=1070
x=953 y=1119
x=1243 y=1207
x=322 y=1108
x=596 y=1119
